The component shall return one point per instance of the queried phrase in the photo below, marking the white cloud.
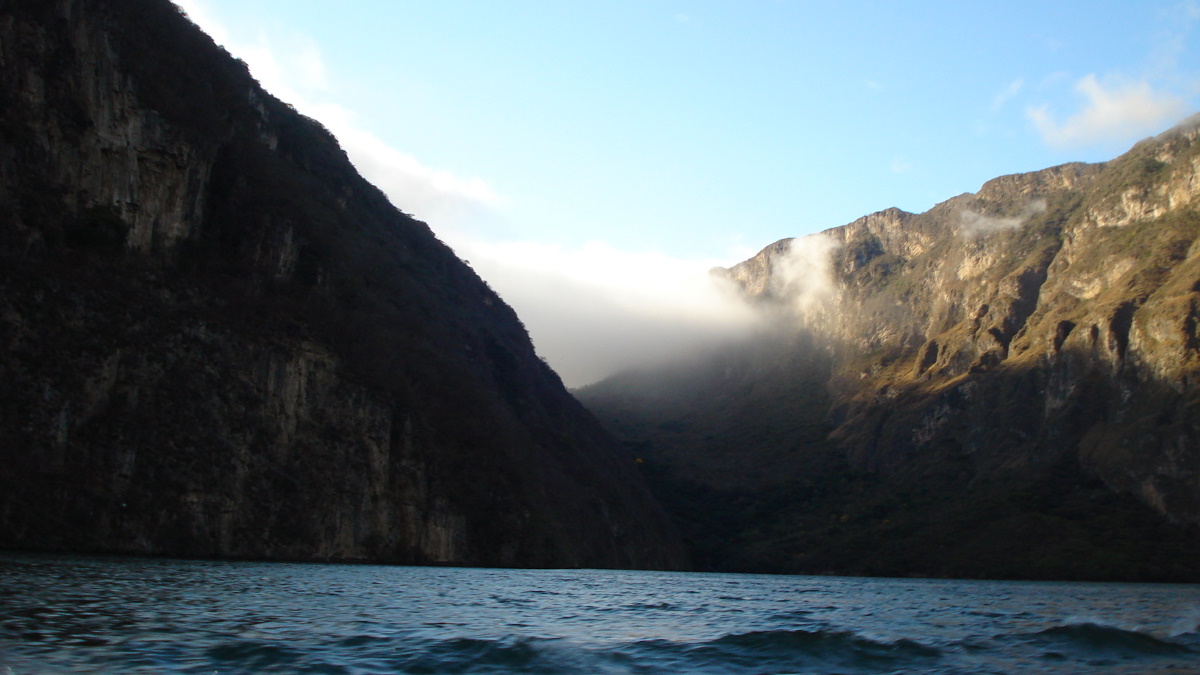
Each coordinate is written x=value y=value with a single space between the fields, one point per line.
x=899 y=165
x=591 y=310
x=1112 y=112
x=804 y=275
x=1008 y=93
x=973 y=224
x=311 y=65
x=439 y=196
x=200 y=15
x=1171 y=41
x=292 y=69
x=299 y=75
x=595 y=310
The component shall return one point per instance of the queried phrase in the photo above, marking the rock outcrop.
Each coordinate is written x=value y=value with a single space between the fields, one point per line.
x=219 y=340
x=1037 y=336
x=1051 y=312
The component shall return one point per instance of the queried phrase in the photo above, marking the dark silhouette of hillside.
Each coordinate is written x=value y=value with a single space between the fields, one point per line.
x=220 y=340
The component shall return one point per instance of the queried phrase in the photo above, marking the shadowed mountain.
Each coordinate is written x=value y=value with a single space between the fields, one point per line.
x=1002 y=386
x=219 y=340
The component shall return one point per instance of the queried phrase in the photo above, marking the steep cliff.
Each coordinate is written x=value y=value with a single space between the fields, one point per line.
x=220 y=340
x=1006 y=385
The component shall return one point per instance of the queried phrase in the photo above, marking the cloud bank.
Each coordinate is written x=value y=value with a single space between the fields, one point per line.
x=595 y=310
x=1112 y=112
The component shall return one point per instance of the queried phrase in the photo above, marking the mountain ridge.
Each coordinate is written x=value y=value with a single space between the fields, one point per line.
x=1041 y=330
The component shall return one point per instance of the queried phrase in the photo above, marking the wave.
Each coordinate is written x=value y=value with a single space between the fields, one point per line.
x=1071 y=648
x=1099 y=639
x=797 y=651
x=255 y=655
x=657 y=606
x=505 y=600
x=793 y=651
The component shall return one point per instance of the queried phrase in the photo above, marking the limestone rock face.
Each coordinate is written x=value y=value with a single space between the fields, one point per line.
x=219 y=340
x=1052 y=312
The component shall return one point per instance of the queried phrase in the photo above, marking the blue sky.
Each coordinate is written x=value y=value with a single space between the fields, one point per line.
x=592 y=160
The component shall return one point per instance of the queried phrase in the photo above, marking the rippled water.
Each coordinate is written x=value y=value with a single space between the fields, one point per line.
x=71 y=614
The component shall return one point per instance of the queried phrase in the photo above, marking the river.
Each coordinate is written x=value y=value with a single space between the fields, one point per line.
x=69 y=614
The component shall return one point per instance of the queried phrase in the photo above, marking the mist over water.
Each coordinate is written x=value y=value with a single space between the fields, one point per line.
x=73 y=614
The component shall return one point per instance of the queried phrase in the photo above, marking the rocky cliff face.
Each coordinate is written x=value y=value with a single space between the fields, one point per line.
x=219 y=340
x=1050 y=312
x=1037 y=336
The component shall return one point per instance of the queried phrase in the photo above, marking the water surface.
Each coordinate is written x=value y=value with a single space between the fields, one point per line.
x=72 y=614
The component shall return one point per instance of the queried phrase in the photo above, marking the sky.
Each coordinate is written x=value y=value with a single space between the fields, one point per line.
x=593 y=160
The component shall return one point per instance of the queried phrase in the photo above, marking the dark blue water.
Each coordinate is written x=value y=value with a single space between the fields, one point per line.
x=71 y=614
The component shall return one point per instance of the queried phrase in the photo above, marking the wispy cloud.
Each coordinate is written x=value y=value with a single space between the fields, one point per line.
x=973 y=224
x=436 y=195
x=1111 y=112
x=1171 y=42
x=1008 y=93
x=292 y=68
x=200 y=15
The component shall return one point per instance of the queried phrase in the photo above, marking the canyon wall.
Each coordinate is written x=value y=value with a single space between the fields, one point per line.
x=1023 y=359
x=219 y=340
